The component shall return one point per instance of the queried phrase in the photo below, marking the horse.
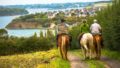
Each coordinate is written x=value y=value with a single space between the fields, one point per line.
x=63 y=44
x=98 y=44
x=86 y=41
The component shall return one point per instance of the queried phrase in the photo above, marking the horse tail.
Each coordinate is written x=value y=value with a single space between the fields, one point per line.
x=97 y=42
x=64 y=47
x=79 y=38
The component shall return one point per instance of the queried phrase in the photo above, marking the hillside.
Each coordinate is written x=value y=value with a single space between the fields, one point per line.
x=12 y=11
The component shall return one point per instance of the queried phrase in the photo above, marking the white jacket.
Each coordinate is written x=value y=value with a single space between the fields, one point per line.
x=95 y=28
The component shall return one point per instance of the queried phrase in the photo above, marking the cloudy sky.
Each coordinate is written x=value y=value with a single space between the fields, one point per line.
x=14 y=2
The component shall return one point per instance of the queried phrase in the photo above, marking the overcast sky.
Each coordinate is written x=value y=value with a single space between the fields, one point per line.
x=14 y=2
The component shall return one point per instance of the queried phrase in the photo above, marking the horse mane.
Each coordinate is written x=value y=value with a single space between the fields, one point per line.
x=94 y=42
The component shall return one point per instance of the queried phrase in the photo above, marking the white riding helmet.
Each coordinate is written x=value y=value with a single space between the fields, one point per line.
x=95 y=20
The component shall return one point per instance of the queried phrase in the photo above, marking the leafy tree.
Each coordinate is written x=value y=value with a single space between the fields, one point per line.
x=3 y=33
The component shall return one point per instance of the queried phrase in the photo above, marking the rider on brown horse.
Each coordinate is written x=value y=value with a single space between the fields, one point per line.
x=96 y=29
x=62 y=29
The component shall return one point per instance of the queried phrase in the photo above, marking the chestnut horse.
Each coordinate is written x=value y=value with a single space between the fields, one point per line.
x=63 y=44
x=86 y=41
x=98 y=44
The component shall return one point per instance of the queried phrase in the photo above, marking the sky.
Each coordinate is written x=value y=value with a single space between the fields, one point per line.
x=18 y=2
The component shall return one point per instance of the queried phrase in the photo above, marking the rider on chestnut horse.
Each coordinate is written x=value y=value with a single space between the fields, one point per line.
x=96 y=29
x=62 y=29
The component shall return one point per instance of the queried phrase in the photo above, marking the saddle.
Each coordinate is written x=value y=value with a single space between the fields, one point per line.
x=70 y=37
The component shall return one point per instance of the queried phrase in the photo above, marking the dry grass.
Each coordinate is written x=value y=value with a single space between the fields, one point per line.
x=30 y=60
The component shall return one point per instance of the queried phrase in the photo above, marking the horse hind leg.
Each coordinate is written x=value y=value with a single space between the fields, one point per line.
x=65 y=51
x=99 y=51
x=85 y=51
x=91 y=49
x=61 y=52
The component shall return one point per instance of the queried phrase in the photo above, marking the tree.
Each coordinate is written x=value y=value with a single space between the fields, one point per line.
x=41 y=34
x=3 y=33
x=110 y=21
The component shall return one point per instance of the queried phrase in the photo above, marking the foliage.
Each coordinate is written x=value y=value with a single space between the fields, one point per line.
x=13 y=45
x=74 y=32
x=3 y=33
x=110 y=20
x=12 y=11
x=111 y=54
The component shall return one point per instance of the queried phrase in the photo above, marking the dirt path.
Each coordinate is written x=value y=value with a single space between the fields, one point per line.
x=110 y=62
x=76 y=62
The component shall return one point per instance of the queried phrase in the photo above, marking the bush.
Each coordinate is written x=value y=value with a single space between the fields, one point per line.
x=110 y=21
x=14 y=45
x=75 y=33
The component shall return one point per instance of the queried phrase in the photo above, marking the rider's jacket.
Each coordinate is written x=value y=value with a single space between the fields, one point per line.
x=62 y=28
x=84 y=28
x=95 y=28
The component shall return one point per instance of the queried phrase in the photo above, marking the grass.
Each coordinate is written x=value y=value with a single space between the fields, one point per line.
x=57 y=63
x=111 y=54
x=91 y=63
x=41 y=59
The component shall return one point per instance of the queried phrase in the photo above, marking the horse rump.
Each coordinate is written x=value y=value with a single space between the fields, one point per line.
x=63 y=43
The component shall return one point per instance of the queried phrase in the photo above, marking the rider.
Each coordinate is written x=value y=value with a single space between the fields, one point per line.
x=84 y=27
x=95 y=28
x=62 y=28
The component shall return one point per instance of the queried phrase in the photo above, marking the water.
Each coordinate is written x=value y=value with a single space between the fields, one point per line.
x=26 y=32
x=5 y=20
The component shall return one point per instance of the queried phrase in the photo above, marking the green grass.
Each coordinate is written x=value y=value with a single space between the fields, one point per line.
x=95 y=64
x=91 y=63
x=40 y=59
x=111 y=54
x=60 y=63
x=56 y=63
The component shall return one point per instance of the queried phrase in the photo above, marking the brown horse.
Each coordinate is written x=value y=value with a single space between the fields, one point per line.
x=86 y=41
x=98 y=45
x=63 y=44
